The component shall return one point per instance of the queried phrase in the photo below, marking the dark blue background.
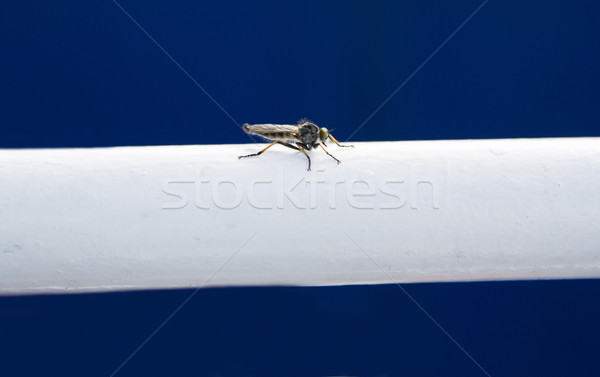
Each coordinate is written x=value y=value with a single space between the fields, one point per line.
x=82 y=74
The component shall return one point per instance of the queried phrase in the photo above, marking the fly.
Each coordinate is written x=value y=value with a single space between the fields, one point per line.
x=305 y=135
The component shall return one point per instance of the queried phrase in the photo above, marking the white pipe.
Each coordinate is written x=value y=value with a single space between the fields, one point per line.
x=75 y=220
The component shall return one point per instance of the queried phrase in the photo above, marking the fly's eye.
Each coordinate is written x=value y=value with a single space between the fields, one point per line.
x=323 y=133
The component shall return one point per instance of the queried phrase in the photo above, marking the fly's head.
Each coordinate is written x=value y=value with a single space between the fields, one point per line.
x=323 y=135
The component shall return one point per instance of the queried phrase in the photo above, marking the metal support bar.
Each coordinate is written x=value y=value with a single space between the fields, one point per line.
x=103 y=219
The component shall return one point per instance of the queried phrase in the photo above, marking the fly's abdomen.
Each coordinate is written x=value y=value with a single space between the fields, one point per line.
x=279 y=135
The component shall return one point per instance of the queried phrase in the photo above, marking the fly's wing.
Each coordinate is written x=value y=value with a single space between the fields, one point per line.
x=260 y=129
x=282 y=132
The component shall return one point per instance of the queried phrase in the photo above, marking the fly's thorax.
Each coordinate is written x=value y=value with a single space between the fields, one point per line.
x=308 y=133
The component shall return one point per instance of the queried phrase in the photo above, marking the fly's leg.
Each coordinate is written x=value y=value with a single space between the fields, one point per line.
x=302 y=150
x=298 y=148
x=259 y=153
x=338 y=144
x=288 y=145
x=330 y=155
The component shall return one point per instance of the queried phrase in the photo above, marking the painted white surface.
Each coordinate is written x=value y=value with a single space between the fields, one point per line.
x=75 y=220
